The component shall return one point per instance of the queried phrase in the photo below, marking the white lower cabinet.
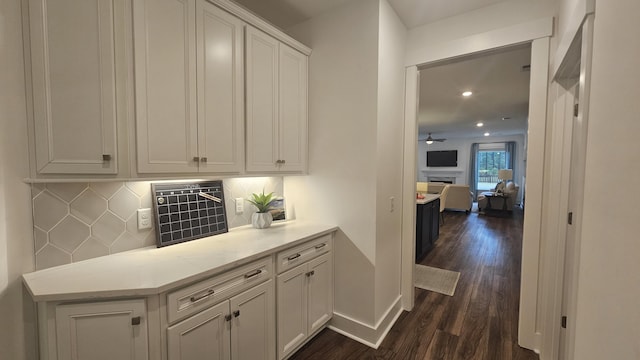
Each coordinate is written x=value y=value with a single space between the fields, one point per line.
x=241 y=328
x=305 y=302
x=102 y=330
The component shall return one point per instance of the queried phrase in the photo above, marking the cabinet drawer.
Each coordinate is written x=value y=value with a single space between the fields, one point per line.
x=293 y=257
x=199 y=296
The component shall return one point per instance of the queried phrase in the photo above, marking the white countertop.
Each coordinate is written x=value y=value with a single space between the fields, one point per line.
x=151 y=270
x=427 y=199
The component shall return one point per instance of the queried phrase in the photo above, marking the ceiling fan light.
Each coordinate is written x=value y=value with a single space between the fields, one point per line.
x=467 y=93
x=480 y=124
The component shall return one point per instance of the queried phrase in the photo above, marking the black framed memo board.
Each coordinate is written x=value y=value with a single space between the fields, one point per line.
x=188 y=211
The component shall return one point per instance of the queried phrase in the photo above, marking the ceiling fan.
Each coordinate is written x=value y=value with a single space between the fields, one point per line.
x=430 y=140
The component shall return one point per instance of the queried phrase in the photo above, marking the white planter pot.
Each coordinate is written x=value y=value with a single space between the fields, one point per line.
x=261 y=220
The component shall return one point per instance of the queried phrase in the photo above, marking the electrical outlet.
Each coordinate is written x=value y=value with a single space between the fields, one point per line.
x=144 y=219
x=239 y=205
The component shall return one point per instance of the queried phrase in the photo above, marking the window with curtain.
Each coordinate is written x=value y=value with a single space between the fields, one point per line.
x=486 y=160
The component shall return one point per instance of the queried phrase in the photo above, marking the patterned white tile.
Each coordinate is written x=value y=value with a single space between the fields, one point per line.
x=106 y=189
x=88 y=206
x=139 y=188
x=41 y=239
x=51 y=256
x=132 y=227
x=145 y=201
x=150 y=240
x=48 y=210
x=107 y=228
x=90 y=249
x=126 y=242
x=67 y=191
x=69 y=234
x=124 y=203
x=37 y=189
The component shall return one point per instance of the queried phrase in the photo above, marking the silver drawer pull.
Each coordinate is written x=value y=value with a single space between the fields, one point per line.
x=293 y=257
x=320 y=246
x=202 y=296
x=311 y=273
x=252 y=274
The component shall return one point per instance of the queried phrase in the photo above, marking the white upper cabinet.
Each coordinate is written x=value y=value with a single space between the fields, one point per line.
x=220 y=90
x=165 y=77
x=189 y=87
x=276 y=105
x=73 y=84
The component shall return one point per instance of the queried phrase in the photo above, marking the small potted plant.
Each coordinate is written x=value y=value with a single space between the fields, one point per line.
x=262 y=218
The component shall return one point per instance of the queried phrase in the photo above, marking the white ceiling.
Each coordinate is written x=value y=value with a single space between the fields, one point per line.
x=285 y=13
x=500 y=89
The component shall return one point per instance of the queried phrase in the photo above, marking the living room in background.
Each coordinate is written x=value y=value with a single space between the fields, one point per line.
x=486 y=160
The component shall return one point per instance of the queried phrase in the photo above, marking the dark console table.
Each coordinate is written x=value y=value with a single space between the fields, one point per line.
x=427 y=224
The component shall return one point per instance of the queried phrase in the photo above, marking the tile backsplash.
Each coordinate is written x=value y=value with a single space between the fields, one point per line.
x=78 y=221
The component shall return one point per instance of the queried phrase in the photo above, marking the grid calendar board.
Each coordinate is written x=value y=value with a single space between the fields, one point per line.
x=188 y=211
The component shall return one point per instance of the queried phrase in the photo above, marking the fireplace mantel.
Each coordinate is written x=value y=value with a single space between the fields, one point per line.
x=442 y=170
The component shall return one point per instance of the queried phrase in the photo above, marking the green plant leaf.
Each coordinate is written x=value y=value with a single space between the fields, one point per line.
x=262 y=201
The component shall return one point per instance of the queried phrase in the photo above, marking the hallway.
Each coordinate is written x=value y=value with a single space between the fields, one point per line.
x=479 y=322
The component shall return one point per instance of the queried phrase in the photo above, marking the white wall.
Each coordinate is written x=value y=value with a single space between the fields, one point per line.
x=421 y=40
x=392 y=34
x=341 y=186
x=608 y=314
x=16 y=240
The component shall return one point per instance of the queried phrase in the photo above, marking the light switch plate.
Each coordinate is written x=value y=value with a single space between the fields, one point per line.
x=239 y=205
x=144 y=219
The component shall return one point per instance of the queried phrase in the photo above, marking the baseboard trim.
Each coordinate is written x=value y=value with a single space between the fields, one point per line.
x=366 y=334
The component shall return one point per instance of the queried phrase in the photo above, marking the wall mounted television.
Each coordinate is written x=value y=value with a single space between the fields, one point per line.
x=446 y=158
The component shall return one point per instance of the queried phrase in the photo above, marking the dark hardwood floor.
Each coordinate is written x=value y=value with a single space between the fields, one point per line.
x=479 y=322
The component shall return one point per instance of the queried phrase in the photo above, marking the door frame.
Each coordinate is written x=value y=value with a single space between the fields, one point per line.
x=563 y=257
x=538 y=33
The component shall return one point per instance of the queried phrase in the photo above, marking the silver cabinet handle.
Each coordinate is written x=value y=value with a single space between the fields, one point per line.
x=310 y=273
x=196 y=159
x=106 y=157
x=293 y=257
x=202 y=296
x=236 y=313
x=320 y=246
x=227 y=317
x=203 y=159
x=282 y=161
x=252 y=274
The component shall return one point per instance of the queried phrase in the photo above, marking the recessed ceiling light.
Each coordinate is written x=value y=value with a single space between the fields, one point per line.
x=467 y=93
x=486 y=134
x=479 y=124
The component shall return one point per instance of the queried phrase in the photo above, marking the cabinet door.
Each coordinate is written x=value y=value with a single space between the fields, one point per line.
x=102 y=331
x=435 y=220
x=292 y=109
x=204 y=336
x=220 y=89
x=292 y=309
x=262 y=101
x=253 y=325
x=165 y=74
x=320 y=296
x=73 y=75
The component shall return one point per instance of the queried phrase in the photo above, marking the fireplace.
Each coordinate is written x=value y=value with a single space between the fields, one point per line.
x=442 y=179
